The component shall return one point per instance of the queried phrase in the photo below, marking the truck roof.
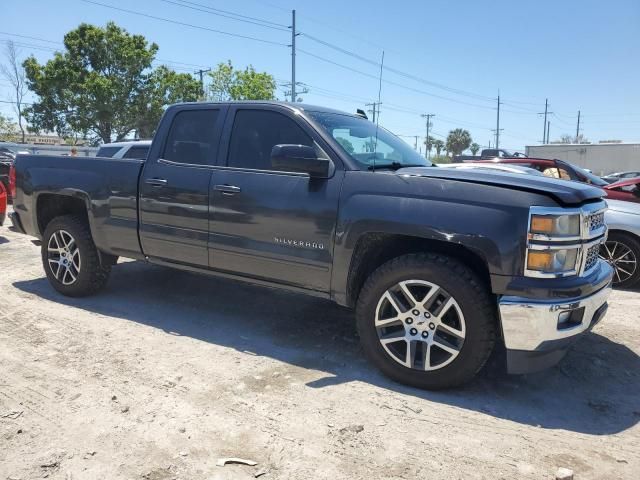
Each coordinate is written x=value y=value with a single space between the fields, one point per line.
x=289 y=105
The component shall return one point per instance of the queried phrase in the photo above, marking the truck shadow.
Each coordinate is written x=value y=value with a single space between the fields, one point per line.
x=595 y=390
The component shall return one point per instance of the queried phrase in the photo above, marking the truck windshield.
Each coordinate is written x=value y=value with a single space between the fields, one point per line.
x=357 y=137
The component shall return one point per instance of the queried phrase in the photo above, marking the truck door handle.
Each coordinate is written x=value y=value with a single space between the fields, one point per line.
x=227 y=189
x=156 y=182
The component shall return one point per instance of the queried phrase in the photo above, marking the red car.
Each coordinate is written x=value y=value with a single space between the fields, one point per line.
x=3 y=203
x=627 y=190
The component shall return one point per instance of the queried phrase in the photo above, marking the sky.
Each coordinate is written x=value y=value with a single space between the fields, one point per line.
x=442 y=57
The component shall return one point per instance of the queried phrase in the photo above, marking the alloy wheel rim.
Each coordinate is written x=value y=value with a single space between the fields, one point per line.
x=420 y=325
x=621 y=257
x=63 y=257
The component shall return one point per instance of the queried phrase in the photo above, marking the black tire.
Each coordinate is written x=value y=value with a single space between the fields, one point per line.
x=620 y=280
x=473 y=298
x=92 y=275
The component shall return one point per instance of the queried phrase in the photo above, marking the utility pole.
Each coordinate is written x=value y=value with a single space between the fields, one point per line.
x=498 y=124
x=428 y=117
x=548 y=128
x=201 y=72
x=293 y=55
x=578 y=127
x=545 y=133
x=375 y=108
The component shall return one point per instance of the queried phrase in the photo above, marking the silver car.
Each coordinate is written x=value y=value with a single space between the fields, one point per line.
x=622 y=248
x=133 y=149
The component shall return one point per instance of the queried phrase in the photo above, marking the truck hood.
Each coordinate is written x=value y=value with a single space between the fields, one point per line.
x=564 y=191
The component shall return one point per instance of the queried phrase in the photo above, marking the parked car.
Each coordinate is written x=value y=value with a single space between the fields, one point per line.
x=616 y=177
x=622 y=248
x=493 y=167
x=625 y=190
x=488 y=154
x=440 y=264
x=7 y=175
x=3 y=204
x=555 y=168
x=138 y=149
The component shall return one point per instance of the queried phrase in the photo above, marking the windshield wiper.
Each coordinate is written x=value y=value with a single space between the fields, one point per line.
x=393 y=166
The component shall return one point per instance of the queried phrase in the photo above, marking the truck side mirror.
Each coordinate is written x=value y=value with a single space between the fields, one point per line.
x=299 y=158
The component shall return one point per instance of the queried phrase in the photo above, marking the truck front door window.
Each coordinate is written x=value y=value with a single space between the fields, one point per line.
x=256 y=132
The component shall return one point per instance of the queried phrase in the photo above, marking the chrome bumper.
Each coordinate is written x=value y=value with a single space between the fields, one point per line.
x=529 y=325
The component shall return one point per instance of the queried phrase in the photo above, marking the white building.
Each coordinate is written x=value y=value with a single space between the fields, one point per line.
x=600 y=158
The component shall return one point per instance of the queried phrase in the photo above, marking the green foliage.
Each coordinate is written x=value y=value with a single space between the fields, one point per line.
x=102 y=85
x=429 y=143
x=441 y=159
x=164 y=87
x=8 y=129
x=458 y=140
x=438 y=145
x=94 y=86
x=346 y=144
x=474 y=148
x=227 y=83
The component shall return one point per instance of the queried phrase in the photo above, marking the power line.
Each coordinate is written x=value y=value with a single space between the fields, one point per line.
x=396 y=71
x=390 y=82
x=227 y=14
x=185 y=24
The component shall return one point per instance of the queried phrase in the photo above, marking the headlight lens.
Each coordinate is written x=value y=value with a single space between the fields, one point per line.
x=555 y=225
x=552 y=261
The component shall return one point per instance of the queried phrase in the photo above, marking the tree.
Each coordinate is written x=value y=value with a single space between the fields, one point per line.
x=566 y=138
x=164 y=87
x=8 y=129
x=96 y=86
x=474 y=148
x=13 y=72
x=228 y=83
x=458 y=140
x=438 y=145
x=429 y=143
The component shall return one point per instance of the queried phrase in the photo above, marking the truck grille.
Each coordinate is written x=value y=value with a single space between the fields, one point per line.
x=592 y=257
x=596 y=221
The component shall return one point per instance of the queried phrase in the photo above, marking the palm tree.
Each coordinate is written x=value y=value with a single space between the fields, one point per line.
x=458 y=140
x=474 y=148
x=438 y=145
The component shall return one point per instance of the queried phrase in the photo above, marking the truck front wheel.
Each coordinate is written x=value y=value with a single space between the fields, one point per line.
x=426 y=320
x=70 y=258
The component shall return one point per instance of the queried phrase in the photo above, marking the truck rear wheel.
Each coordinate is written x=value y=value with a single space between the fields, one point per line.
x=426 y=320
x=70 y=258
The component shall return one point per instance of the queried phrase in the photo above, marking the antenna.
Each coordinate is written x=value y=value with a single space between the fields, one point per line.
x=375 y=145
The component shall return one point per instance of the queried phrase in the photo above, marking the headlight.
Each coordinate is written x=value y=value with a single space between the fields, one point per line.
x=553 y=261
x=555 y=225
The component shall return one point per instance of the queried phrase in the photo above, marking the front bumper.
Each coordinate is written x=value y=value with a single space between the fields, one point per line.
x=537 y=333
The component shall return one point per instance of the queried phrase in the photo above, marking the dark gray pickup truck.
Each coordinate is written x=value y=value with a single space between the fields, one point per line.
x=440 y=265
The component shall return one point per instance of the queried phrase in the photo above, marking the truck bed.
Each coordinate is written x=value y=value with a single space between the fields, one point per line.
x=107 y=187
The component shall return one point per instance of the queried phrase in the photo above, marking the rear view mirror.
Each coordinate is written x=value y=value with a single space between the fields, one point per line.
x=299 y=158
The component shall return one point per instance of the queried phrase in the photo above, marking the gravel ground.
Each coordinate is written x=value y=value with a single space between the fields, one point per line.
x=166 y=372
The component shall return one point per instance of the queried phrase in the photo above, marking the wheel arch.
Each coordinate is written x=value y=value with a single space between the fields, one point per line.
x=52 y=205
x=374 y=249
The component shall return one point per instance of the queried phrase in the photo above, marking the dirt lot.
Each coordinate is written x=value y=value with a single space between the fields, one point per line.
x=166 y=372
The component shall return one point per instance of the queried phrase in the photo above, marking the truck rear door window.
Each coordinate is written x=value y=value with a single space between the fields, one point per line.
x=255 y=132
x=192 y=137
